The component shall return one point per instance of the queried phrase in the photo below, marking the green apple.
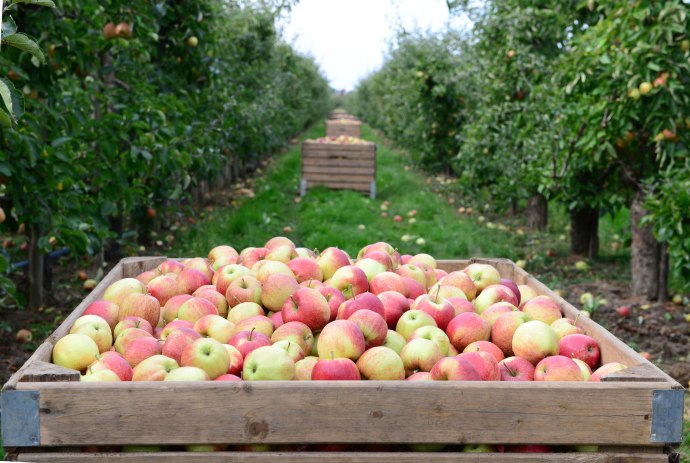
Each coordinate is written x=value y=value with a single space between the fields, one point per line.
x=268 y=363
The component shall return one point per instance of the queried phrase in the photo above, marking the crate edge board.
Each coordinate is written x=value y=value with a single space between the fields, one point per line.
x=67 y=410
x=347 y=457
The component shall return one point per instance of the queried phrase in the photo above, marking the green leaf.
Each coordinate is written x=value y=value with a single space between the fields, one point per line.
x=654 y=67
x=48 y=3
x=11 y=99
x=24 y=43
x=8 y=27
x=5 y=119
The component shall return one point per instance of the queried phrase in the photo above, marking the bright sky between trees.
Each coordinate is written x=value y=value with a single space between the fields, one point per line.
x=349 y=38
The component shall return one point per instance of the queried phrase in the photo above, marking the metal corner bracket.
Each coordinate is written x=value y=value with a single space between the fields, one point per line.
x=667 y=416
x=20 y=418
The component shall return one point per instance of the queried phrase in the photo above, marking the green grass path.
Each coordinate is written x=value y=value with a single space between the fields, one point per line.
x=348 y=219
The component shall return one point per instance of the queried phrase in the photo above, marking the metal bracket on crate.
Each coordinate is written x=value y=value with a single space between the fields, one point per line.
x=20 y=419
x=372 y=191
x=667 y=416
x=302 y=187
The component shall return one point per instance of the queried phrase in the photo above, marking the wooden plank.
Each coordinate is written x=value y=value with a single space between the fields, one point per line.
x=355 y=411
x=357 y=162
x=41 y=354
x=638 y=373
x=338 y=170
x=40 y=371
x=133 y=266
x=335 y=153
x=338 y=178
x=367 y=146
x=344 y=457
x=341 y=185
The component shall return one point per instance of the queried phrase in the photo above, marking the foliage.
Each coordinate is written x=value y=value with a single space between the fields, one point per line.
x=122 y=123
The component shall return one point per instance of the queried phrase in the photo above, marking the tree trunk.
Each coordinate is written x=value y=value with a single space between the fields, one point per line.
x=35 y=268
x=584 y=231
x=644 y=253
x=663 y=274
x=113 y=251
x=537 y=212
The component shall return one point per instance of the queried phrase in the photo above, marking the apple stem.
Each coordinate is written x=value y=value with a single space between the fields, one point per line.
x=332 y=355
x=437 y=291
x=292 y=298
x=354 y=296
x=251 y=333
x=309 y=283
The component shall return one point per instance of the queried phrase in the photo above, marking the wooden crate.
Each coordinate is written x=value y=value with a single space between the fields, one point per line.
x=348 y=128
x=341 y=115
x=339 y=166
x=48 y=415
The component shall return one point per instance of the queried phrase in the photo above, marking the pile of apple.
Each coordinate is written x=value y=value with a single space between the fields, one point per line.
x=346 y=121
x=342 y=140
x=279 y=312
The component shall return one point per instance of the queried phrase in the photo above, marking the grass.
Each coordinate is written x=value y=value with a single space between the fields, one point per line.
x=347 y=219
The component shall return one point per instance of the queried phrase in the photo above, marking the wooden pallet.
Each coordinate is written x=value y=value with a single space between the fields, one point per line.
x=336 y=128
x=48 y=415
x=339 y=166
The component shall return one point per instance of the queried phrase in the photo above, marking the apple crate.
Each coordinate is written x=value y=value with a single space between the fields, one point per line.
x=633 y=415
x=341 y=115
x=348 y=128
x=338 y=166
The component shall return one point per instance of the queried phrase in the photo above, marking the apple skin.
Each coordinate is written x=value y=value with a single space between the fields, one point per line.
x=296 y=332
x=461 y=305
x=236 y=360
x=140 y=305
x=334 y=297
x=394 y=305
x=146 y=277
x=225 y=275
x=216 y=327
x=503 y=330
x=516 y=369
x=462 y=281
x=330 y=260
x=200 y=264
x=350 y=280
x=542 y=308
x=228 y=377
x=268 y=363
x=154 y=368
x=414 y=272
x=423 y=259
x=335 y=369
x=250 y=256
x=172 y=307
x=557 y=368
x=207 y=354
x=292 y=348
x=478 y=448
x=453 y=369
x=467 y=328
x=387 y=281
x=196 y=308
x=305 y=269
x=440 y=274
x=527 y=293
x=381 y=363
x=115 y=362
x=383 y=258
x=187 y=374
x=394 y=341
x=276 y=290
x=100 y=377
x=304 y=368
x=308 y=306
x=277 y=319
x=265 y=268
x=440 y=310
x=107 y=310
x=127 y=336
x=190 y=279
x=341 y=338
x=258 y=323
x=364 y=301
x=435 y=334
x=96 y=328
x=140 y=349
x=534 y=340
x=173 y=325
x=493 y=294
x=584 y=368
x=530 y=448
x=441 y=291
x=565 y=326
x=411 y=320
x=306 y=253
x=247 y=341
x=580 y=346
x=420 y=376
x=244 y=289
x=510 y=284
x=414 y=288
x=372 y=326
x=495 y=311
x=486 y=346
x=482 y=275
x=215 y=298
x=226 y=254
x=606 y=369
x=381 y=246
x=244 y=311
x=170 y=266
x=163 y=288
x=485 y=364
x=118 y=291
x=420 y=355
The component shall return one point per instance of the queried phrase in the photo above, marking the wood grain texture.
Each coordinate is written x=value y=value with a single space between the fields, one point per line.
x=45 y=372
x=367 y=171
x=336 y=129
x=343 y=457
x=320 y=162
x=354 y=411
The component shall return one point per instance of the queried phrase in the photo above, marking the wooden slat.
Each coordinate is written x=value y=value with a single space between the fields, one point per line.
x=354 y=411
x=344 y=457
x=339 y=170
x=312 y=145
x=335 y=153
x=342 y=185
x=361 y=162
x=45 y=372
x=338 y=177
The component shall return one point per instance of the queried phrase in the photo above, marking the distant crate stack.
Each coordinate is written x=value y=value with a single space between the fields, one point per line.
x=343 y=126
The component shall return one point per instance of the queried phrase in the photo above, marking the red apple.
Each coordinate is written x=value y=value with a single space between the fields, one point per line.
x=607 y=369
x=308 y=306
x=177 y=340
x=195 y=308
x=154 y=368
x=467 y=328
x=173 y=325
x=296 y=332
x=500 y=308
x=304 y=368
x=141 y=305
x=364 y=301
x=330 y=260
x=108 y=311
x=463 y=281
x=534 y=340
x=394 y=304
x=420 y=376
x=510 y=284
x=350 y=280
x=215 y=298
x=580 y=346
x=381 y=363
x=132 y=322
x=420 y=355
x=247 y=341
x=236 y=360
x=334 y=297
x=623 y=311
x=341 y=338
x=259 y=323
x=486 y=346
x=387 y=281
x=228 y=377
x=163 y=288
x=140 y=349
x=504 y=328
x=557 y=368
x=335 y=369
x=453 y=369
x=172 y=307
x=170 y=266
x=516 y=369
x=115 y=362
x=493 y=294
x=440 y=310
x=542 y=308
x=414 y=288
x=305 y=269
x=460 y=305
x=565 y=326
x=485 y=364
x=372 y=326
x=190 y=279
x=244 y=289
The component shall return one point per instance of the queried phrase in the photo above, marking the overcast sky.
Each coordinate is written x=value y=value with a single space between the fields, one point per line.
x=348 y=38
